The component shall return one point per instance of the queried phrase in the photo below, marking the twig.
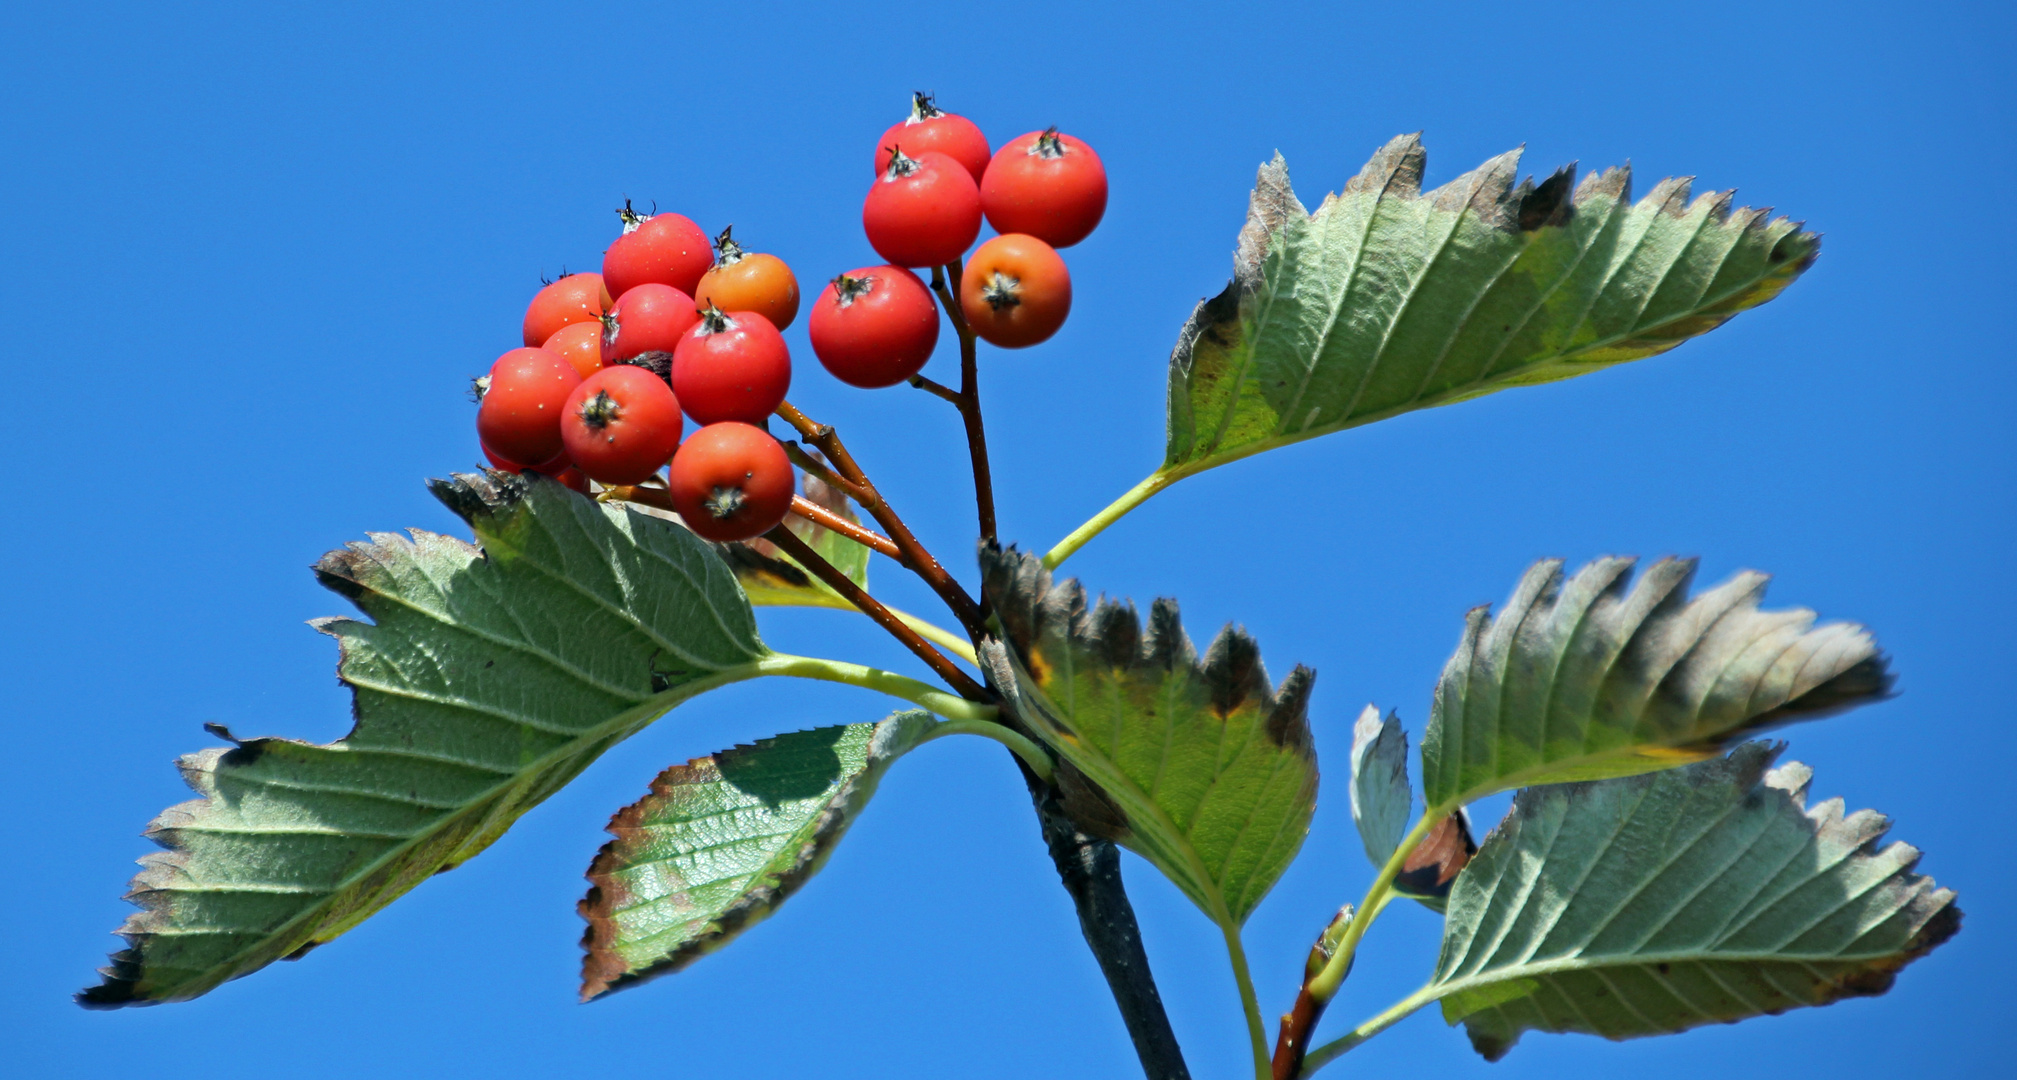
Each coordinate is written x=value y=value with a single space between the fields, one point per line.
x=862 y=490
x=821 y=516
x=803 y=554
x=825 y=472
x=938 y=389
x=968 y=398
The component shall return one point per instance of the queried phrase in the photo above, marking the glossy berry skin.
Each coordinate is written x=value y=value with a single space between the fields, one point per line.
x=571 y=479
x=1045 y=184
x=520 y=414
x=1015 y=291
x=874 y=326
x=649 y=318
x=501 y=463
x=730 y=482
x=575 y=298
x=620 y=425
x=928 y=128
x=922 y=211
x=731 y=366
x=749 y=281
x=581 y=344
x=665 y=249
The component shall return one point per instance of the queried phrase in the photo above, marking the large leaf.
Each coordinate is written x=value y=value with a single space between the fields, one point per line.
x=1658 y=903
x=1200 y=766
x=1586 y=679
x=486 y=680
x=722 y=840
x=1389 y=299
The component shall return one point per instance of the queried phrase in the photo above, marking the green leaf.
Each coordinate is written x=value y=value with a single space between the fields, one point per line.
x=486 y=680
x=771 y=578
x=722 y=840
x=1658 y=903
x=1198 y=766
x=1389 y=299
x=1382 y=801
x=1586 y=679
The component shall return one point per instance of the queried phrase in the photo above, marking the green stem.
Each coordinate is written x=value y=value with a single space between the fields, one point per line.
x=1257 y=1031
x=937 y=635
x=1325 y=986
x=1395 y=1013
x=1033 y=755
x=923 y=695
x=1115 y=510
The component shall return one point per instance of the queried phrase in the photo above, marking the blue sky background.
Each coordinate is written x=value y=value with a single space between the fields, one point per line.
x=251 y=256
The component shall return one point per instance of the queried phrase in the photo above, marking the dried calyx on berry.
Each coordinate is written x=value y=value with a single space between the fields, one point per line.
x=899 y=165
x=632 y=219
x=726 y=251
x=846 y=290
x=478 y=387
x=1002 y=291
x=1047 y=145
x=600 y=411
x=656 y=361
x=713 y=321
x=922 y=109
x=723 y=502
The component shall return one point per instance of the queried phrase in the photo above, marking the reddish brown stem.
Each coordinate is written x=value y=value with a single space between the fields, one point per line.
x=864 y=492
x=820 y=515
x=803 y=554
x=937 y=389
x=968 y=398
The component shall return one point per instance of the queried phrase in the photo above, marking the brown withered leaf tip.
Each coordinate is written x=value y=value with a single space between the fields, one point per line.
x=1427 y=872
x=1040 y=616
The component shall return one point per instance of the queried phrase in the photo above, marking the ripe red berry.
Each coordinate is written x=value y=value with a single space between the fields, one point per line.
x=575 y=298
x=922 y=211
x=731 y=366
x=520 y=414
x=874 y=327
x=581 y=344
x=1015 y=291
x=664 y=248
x=730 y=482
x=620 y=425
x=648 y=318
x=749 y=281
x=571 y=479
x=929 y=128
x=501 y=463
x=1045 y=184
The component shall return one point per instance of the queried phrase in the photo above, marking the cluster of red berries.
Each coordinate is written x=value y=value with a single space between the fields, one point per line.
x=694 y=327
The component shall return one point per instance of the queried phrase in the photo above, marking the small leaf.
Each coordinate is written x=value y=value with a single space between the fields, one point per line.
x=1658 y=903
x=486 y=681
x=1389 y=299
x=1585 y=679
x=771 y=578
x=1382 y=801
x=722 y=840
x=1198 y=766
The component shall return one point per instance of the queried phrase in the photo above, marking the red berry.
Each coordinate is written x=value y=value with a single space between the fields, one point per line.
x=501 y=463
x=749 y=281
x=928 y=128
x=664 y=248
x=620 y=425
x=581 y=344
x=922 y=211
x=874 y=327
x=731 y=366
x=1015 y=291
x=520 y=414
x=1047 y=185
x=575 y=298
x=730 y=482
x=648 y=318
x=571 y=479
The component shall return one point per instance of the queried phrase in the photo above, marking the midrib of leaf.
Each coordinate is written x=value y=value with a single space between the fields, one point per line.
x=496 y=544
x=1338 y=303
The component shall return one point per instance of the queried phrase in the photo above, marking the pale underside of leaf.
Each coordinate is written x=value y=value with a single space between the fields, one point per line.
x=1381 y=797
x=485 y=681
x=1389 y=299
x=1597 y=676
x=1199 y=765
x=1658 y=903
x=720 y=842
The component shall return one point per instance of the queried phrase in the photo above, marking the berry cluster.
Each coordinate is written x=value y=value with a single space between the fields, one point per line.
x=676 y=323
